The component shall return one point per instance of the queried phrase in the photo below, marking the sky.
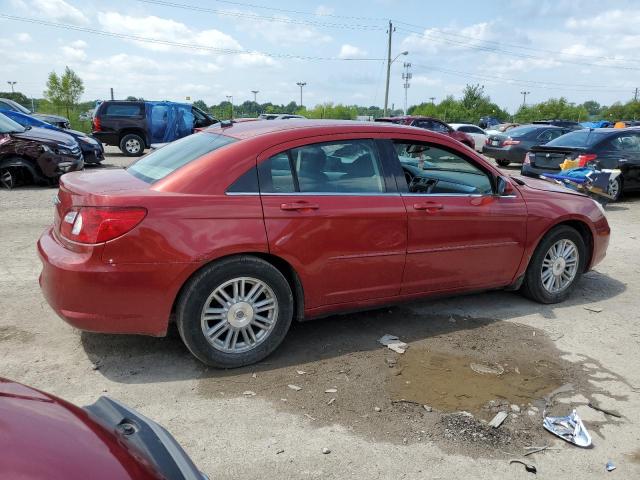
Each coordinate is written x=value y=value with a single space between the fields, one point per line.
x=174 y=49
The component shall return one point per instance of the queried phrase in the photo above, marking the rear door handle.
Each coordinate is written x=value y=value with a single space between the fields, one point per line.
x=428 y=206
x=299 y=206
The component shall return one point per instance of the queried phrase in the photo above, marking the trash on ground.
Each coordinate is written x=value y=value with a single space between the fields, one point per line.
x=593 y=309
x=536 y=450
x=590 y=181
x=393 y=343
x=569 y=428
x=498 y=419
x=529 y=468
x=294 y=387
x=331 y=390
x=428 y=408
x=331 y=401
x=326 y=451
x=300 y=372
x=610 y=466
x=515 y=408
x=606 y=412
x=249 y=393
x=487 y=368
x=280 y=451
x=377 y=409
x=253 y=375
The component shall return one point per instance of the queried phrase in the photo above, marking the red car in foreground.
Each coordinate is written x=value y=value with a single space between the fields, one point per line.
x=44 y=437
x=238 y=230
x=432 y=124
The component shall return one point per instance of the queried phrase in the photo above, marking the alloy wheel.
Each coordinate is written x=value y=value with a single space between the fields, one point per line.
x=614 y=188
x=239 y=315
x=560 y=266
x=132 y=145
x=7 y=178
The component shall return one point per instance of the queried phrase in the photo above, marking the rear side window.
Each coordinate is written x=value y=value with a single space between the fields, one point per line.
x=626 y=143
x=168 y=159
x=124 y=110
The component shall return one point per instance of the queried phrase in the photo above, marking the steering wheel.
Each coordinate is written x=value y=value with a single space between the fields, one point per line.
x=409 y=177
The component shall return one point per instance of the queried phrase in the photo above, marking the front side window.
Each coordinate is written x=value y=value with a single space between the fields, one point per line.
x=351 y=166
x=433 y=170
x=124 y=110
x=166 y=160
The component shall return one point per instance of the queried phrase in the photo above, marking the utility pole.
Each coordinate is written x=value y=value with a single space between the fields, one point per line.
x=635 y=95
x=406 y=76
x=386 y=90
x=111 y=93
x=13 y=83
x=524 y=98
x=301 y=84
x=230 y=100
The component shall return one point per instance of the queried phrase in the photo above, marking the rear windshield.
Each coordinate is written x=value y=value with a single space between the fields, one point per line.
x=166 y=160
x=579 y=138
x=522 y=131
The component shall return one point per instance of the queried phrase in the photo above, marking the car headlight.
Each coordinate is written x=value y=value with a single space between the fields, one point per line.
x=63 y=151
x=600 y=207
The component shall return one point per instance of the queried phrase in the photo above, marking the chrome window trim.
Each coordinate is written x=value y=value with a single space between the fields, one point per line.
x=316 y=194
x=445 y=195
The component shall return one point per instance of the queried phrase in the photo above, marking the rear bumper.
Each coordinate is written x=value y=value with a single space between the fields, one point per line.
x=95 y=296
x=513 y=155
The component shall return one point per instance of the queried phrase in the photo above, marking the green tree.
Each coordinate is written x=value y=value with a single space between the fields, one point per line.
x=201 y=105
x=18 y=97
x=64 y=91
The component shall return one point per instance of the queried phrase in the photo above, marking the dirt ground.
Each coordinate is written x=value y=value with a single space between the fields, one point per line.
x=421 y=414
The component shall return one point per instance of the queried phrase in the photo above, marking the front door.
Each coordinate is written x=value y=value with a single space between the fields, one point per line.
x=333 y=215
x=461 y=236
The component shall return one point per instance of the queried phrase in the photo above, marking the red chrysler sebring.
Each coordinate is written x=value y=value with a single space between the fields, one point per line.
x=239 y=229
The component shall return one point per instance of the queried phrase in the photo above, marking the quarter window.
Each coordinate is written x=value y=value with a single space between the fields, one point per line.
x=433 y=170
x=627 y=143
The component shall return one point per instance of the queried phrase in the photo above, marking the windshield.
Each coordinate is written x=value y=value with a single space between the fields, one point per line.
x=579 y=138
x=9 y=126
x=166 y=160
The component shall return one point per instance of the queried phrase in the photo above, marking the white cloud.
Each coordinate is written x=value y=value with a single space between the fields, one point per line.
x=434 y=40
x=425 y=80
x=324 y=10
x=501 y=65
x=350 y=51
x=58 y=10
x=23 y=37
x=72 y=54
x=79 y=44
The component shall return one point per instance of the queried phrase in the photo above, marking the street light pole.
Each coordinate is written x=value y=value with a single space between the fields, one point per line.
x=255 y=95
x=524 y=98
x=230 y=100
x=301 y=84
x=12 y=84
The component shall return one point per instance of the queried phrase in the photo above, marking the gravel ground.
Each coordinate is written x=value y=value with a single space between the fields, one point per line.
x=360 y=400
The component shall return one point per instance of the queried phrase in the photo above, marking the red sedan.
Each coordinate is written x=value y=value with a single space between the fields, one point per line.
x=241 y=229
x=433 y=124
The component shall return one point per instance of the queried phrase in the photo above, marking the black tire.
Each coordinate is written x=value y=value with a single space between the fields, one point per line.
x=503 y=163
x=132 y=145
x=198 y=289
x=618 y=195
x=532 y=286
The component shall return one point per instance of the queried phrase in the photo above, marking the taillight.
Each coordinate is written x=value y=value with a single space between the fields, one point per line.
x=586 y=158
x=99 y=224
x=508 y=142
x=97 y=126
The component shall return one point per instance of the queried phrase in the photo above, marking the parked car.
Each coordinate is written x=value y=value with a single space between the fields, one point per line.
x=237 y=232
x=479 y=136
x=602 y=148
x=432 y=124
x=501 y=128
x=44 y=436
x=134 y=125
x=92 y=150
x=512 y=146
x=35 y=154
x=278 y=116
x=560 y=123
x=489 y=122
x=57 y=120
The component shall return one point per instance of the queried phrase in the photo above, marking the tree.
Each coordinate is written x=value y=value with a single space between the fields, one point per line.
x=592 y=107
x=131 y=98
x=201 y=105
x=18 y=97
x=64 y=91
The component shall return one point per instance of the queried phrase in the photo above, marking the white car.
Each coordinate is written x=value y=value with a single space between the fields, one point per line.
x=479 y=135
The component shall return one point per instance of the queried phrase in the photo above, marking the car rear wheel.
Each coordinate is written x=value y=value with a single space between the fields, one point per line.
x=615 y=189
x=235 y=312
x=132 y=145
x=556 y=266
x=7 y=178
x=503 y=163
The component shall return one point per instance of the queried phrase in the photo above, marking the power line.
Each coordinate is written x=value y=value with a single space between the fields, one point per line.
x=192 y=46
x=253 y=16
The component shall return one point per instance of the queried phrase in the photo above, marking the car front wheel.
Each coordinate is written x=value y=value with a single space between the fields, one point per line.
x=615 y=189
x=132 y=145
x=556 y=266
x=235 y=312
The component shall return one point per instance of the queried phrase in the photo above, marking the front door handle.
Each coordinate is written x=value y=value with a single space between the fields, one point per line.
x=430 y=207
x=299 y=206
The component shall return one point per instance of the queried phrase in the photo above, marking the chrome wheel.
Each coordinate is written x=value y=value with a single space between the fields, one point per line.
x=239 y=315
x=614 y=188
x=132 y=145
x=560 y=266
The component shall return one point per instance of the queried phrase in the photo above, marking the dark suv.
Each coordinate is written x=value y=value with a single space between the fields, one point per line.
x=36 y=154
x=135 y=125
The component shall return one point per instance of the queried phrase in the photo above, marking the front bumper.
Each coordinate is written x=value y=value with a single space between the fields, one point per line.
x=96 y=296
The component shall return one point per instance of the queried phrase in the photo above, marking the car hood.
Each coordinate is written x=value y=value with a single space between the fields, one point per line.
x=544 y=185
x=47 y=135
x=49 y=118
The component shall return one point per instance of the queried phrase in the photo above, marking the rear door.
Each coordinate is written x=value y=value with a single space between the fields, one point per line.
x=461 y=236
x=623 y=152
x=334 y=215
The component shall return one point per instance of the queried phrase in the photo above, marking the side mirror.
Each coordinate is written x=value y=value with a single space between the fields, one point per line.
x=504 y=187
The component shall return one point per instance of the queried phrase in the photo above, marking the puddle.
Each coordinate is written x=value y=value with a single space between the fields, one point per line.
x=450 y=383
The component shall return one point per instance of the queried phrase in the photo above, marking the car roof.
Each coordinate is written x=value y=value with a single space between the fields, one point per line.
x=244 y=130
x=407 y=117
